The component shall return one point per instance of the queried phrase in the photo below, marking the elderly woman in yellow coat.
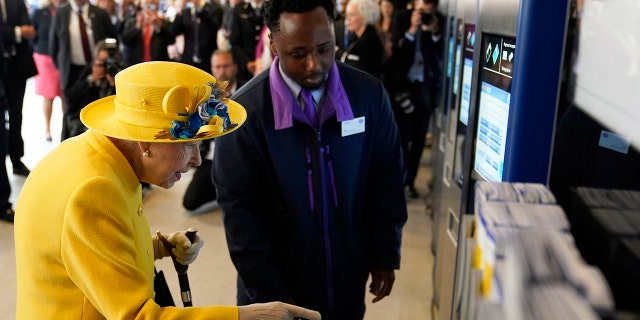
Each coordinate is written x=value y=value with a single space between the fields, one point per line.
x=83 y=246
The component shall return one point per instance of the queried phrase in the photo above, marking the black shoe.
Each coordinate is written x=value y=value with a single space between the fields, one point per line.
x=20 y=169
x=7 y=214
x=412 y=192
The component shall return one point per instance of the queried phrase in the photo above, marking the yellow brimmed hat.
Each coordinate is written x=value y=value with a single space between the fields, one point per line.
x=164 y=102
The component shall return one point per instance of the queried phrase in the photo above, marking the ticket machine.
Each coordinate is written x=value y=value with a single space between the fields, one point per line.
x=501 y=128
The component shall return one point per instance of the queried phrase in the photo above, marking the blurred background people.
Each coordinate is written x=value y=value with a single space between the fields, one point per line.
x=264 y=56
x=173 y=7
x=245 y=34
x=384 y=28
x=6 y=207
x=340 y=28
x=417 y=65
x=365 y=48
x=225 y=31
x=147 y=35
x=17 y=32
x=97 y=80
x=77 y=27
x=198 y=22
x=201 y=193
x=128 y=9
x=110 y=6
x=47 y=81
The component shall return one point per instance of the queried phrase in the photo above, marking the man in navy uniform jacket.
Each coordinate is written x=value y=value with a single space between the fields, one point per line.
x=312 y=188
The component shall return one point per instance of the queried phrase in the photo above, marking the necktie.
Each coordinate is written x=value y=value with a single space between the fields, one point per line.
x=84 y=38
x=309 y=109
x=146 y=53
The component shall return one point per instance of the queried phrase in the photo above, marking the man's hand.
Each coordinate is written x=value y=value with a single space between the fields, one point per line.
x=416 y=22
x=27 y=32
x=97 y=72
x=381 y=283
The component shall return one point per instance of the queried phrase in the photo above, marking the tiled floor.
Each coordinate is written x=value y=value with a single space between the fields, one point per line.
x=212 y=276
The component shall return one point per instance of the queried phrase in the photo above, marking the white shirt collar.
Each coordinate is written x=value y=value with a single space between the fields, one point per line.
x=85 y=7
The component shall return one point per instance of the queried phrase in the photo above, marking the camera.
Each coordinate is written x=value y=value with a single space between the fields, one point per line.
x=427 y=18
x=151 y=7
x=113 y=64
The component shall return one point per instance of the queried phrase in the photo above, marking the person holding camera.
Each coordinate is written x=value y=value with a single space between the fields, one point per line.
x=76 y=28
x=95 y=81
x=146 y=35
x=415 y=78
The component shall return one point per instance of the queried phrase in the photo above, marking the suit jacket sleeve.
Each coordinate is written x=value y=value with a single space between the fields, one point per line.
x=211 y=15
x=17 y=15
x=79 y=92
x=56 y=23
x=130 y=33
x=102 y=26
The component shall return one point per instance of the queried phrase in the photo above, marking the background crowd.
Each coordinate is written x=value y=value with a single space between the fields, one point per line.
x=74 y=49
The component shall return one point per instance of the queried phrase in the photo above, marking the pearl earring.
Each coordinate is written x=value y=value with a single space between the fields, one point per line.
x=146 y=153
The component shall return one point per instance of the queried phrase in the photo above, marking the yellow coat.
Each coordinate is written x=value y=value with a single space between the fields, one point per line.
x=83 y=245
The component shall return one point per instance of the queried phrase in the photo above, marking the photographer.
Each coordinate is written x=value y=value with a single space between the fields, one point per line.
x=414 y=83
x=95 y=81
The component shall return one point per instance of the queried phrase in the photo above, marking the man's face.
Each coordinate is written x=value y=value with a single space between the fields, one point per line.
x=101 y=58
x=305 y=45
x=223 y=67
x=424 y=7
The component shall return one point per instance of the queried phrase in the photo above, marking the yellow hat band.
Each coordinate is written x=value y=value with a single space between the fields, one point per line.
x=145 y=117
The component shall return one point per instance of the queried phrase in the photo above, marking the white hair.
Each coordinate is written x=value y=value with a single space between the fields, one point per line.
x=369 y=10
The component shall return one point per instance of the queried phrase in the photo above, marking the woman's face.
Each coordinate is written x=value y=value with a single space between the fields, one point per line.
x=354 y=18
x=168 y=161
x=386 y=8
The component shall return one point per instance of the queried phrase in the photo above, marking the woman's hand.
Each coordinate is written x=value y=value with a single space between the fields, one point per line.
x=275 y=311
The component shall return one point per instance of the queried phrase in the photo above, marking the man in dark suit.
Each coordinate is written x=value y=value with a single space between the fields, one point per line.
x=417 y=68
x=199 y=23
x=341 y=31
x=201 y=193
x=6 y=208
x=245 y=33
x=147 y=35
x=69 y=54
x=16 y=32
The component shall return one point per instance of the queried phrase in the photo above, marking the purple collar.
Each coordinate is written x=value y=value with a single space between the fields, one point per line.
x=286 y=107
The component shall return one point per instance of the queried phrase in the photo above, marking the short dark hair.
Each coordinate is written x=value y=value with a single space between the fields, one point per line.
x=274 y=8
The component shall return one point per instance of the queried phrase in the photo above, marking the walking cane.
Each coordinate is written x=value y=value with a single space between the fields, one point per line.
x=183 y=278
